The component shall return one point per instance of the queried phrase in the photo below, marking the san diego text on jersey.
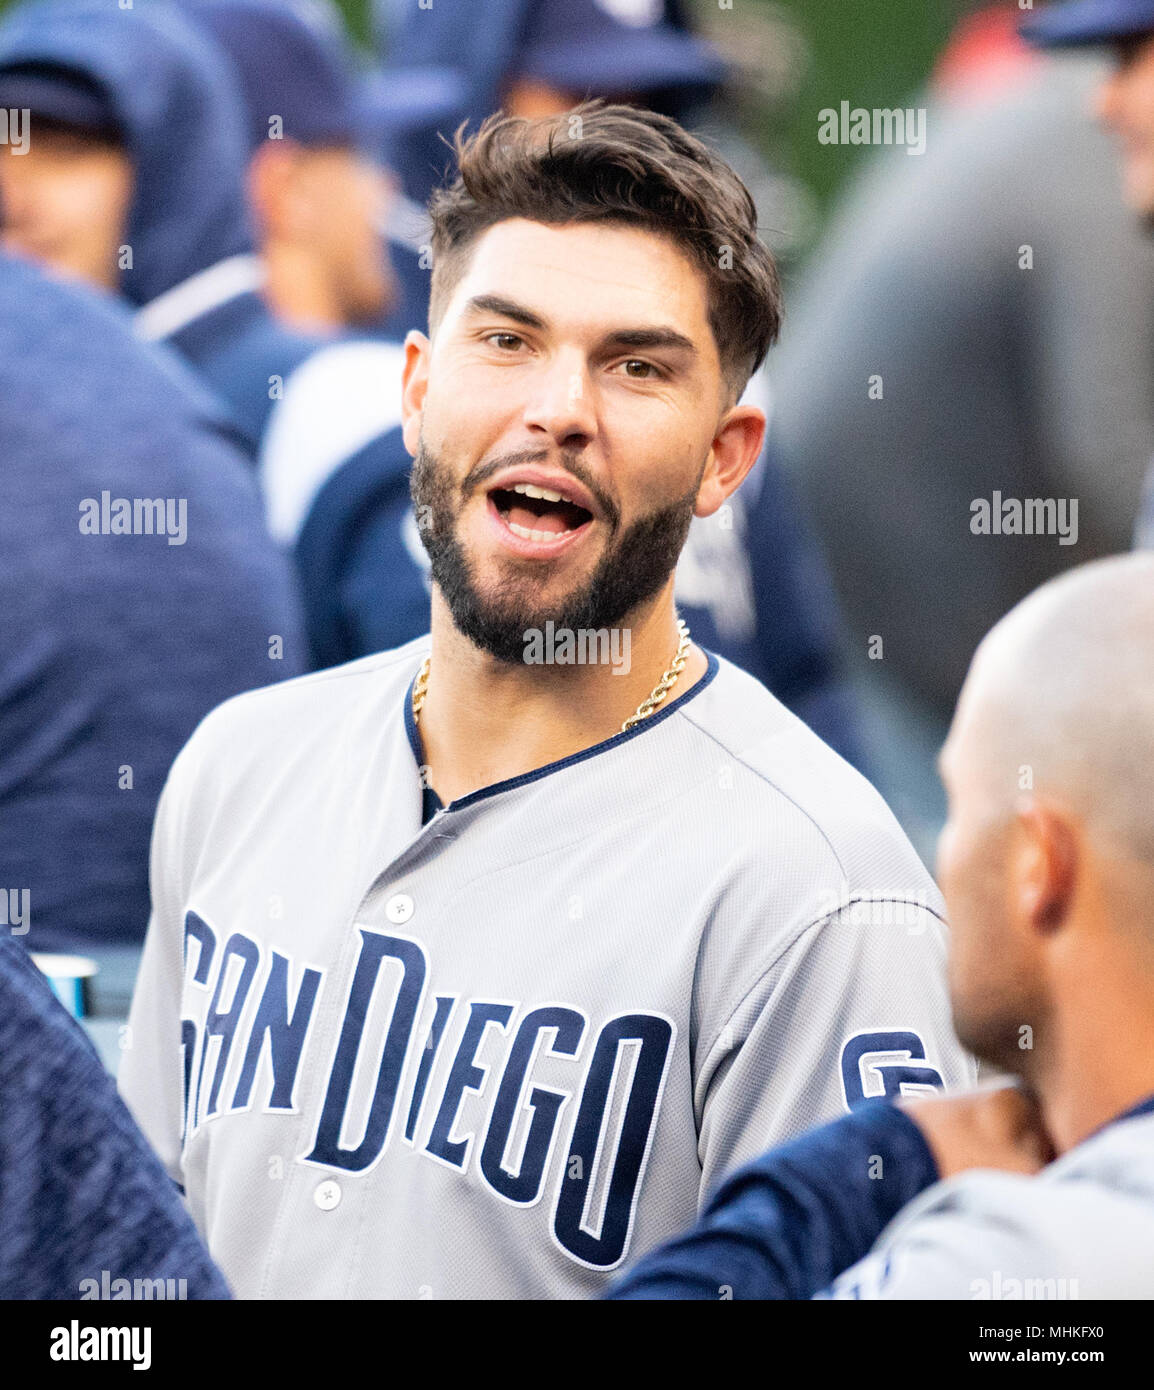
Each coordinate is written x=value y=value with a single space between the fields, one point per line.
x=617 y=1075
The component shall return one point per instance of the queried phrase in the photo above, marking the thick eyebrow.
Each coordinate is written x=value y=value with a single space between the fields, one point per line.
x=645 y=338
x=506 y=308
x=640 y=338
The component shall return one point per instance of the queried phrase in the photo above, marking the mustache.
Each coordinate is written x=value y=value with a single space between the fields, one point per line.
x=570 y=462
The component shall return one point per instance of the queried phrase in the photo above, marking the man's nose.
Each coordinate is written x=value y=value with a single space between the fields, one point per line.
x=561 y=401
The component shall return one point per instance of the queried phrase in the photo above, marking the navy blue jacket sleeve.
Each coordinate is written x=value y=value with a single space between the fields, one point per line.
x=786 y=1225
x=82 y=1196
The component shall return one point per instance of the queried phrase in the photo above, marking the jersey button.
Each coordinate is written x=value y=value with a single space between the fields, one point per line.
x=328 y=1195
x=399 y=908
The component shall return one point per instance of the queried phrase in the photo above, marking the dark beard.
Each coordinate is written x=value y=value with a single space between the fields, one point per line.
x=630 y=572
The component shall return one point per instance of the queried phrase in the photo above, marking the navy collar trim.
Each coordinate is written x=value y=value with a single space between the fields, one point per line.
x=510 y=783
x=1144 y=1107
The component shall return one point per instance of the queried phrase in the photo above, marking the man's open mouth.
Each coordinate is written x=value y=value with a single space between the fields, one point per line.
x=538 y=513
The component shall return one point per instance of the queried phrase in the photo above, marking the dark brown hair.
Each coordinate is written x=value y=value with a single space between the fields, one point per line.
x=616 y=164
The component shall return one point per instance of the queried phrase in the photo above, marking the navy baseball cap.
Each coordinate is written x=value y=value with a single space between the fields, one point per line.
x=291 y=61
x=56 y=93
x=1085 y=22
x=612 y=47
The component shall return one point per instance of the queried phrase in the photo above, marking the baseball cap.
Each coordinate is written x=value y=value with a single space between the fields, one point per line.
x=291 y=62
x=1084 y=22
x=56 y=93
x=609 y=47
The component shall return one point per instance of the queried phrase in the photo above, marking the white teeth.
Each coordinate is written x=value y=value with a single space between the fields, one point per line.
x=526 y=534
x=544 y=493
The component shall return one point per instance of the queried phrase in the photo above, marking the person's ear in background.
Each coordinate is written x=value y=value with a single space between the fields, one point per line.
x=317 y=211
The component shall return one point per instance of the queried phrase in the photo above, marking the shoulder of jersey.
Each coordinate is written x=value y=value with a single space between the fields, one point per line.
x=1105 y=1182
x=786 y=766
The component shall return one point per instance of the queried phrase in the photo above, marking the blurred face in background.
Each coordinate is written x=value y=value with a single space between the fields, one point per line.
x=1125 y=104
x=319 y=213
x=528 y=97
x=65 y=202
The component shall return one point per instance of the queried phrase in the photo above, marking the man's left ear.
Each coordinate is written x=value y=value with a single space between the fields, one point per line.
x=735 y=450
x=1048 y=863
x=414 y=388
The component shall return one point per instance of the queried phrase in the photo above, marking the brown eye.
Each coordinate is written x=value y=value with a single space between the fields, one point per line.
x=646 y=367
x=504 y=340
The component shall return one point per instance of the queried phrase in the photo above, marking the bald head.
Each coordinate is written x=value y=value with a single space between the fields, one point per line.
x=1060 y=700
x=1046 y=860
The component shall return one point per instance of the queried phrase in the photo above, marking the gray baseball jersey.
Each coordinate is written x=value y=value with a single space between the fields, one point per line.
x=1082 y=1228
x=497 y=1054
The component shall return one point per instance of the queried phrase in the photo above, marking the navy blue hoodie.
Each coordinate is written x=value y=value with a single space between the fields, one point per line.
x=112 y=646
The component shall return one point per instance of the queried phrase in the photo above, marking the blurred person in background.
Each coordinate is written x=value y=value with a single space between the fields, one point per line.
x=1124 y=103
x=332 y=464
x=538 y=57
x=133 y=180
x=760 y=598
x=317 y=200
x=139 y=590
x=973 y=322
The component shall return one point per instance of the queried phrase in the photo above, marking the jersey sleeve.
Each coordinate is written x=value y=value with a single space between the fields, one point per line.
x=856 y=1006
x=992 y=1235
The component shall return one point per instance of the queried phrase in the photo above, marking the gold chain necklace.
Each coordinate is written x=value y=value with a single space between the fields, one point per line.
x=644 y=709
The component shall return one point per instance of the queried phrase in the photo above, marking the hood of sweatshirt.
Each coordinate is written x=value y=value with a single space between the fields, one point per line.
x=181 y=119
